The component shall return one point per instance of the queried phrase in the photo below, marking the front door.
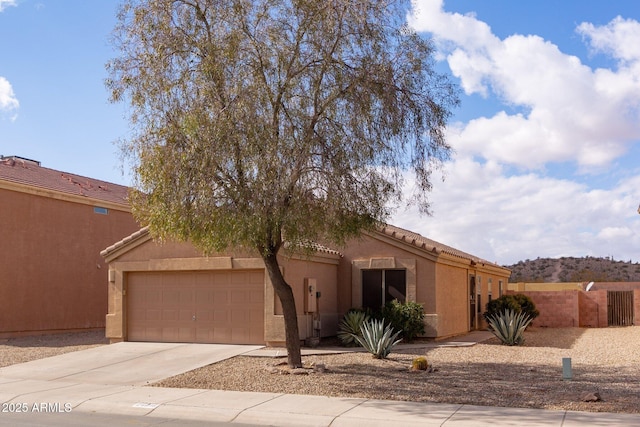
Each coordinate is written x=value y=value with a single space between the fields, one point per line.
x=472 y=304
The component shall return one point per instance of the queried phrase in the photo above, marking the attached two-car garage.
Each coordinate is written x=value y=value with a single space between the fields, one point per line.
x=196 y=306
x=169 y=291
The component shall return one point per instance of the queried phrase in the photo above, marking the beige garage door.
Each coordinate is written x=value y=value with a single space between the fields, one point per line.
x=200 y=307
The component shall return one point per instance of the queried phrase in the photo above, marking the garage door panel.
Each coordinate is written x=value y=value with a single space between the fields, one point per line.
x=177 y=334
x=256 y=297
x=223 y=335
x=220 y=318
x=220 y=278
x=203 y=315
x=185 y=315
x=204 y=335
x=203 y=296
x=220 y=296
x=228 y=307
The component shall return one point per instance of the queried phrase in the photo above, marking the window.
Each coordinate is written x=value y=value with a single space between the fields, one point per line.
x=499 y=288
x=489 y=290
x=101 y=211
x=382 y=286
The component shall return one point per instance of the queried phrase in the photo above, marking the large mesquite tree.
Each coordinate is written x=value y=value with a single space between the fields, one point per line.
x=256 y=122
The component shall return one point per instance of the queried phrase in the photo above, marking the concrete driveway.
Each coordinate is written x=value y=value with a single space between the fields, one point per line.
x=124 y=364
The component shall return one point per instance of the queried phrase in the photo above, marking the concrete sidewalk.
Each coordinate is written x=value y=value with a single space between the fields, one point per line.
x=112 y=381
x=155 y=404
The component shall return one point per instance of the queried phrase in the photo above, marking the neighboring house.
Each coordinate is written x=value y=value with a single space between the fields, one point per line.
x=53 y=225
x=170 y=292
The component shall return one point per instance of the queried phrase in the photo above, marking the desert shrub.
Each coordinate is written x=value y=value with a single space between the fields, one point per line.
x=408 y=318
x=527 y=306
x=350 y=326
x=377 y=338
x=420 y=364
x=518 y=303
x=509 y=326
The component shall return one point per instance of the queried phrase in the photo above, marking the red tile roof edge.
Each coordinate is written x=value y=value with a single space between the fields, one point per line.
x=31 y=174
x=426 y=244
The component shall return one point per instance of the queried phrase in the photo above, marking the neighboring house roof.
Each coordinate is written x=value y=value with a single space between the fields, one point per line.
x=29 y=173
x=421 y=242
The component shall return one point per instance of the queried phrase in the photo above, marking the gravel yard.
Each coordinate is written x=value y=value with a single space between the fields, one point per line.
x=24 y=349
x=605 y=361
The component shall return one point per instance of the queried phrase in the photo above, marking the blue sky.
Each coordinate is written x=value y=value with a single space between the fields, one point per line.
x=547 y=138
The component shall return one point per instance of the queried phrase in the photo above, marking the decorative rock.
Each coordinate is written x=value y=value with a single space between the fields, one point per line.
x=591 y=397
x=319 y=368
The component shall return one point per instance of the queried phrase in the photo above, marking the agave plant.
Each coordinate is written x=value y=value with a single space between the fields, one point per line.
x=377 y=338
x=509 y=326
x=350 y=326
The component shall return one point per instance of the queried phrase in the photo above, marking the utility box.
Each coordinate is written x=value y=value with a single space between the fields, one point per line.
x=310 y=296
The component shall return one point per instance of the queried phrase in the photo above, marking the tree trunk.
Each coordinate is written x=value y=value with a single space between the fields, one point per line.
x=285 y=293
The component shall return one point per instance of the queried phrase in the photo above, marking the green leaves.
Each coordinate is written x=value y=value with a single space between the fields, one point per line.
x=377 y=338
x=351 y=326
x=509 y=326
x=276 y=117
x=408 y=318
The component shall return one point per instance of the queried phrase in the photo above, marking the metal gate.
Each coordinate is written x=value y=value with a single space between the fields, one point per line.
x=620 y=308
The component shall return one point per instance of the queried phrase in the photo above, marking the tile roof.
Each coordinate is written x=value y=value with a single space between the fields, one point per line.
x=26 y=172
x=394 y=232
x=316 y=247
x=424 y=243
x=140 y=234
x=144 y=232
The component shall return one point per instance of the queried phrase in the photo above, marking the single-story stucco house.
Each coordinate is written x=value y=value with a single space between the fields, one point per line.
x=170 y=292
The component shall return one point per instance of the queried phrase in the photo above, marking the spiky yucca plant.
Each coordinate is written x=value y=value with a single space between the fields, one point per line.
x=377 y=338
x=350 y=326
x=509 y=326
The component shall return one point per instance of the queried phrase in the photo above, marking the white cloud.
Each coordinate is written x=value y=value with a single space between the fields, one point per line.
x=570 y=112
x=496 y=201
x=505 y=219
x=5 y=3
x=8 y=101
x=618 y=38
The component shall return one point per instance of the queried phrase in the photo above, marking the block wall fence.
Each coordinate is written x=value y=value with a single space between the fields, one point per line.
x=574 y=308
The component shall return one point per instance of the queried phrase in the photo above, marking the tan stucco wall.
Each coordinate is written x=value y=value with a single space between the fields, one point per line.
x=441 y=281
x=147 y=255
x=486 y=275
x=53 y=277
x=325 y=272
x=369 y=252
x=451 y=306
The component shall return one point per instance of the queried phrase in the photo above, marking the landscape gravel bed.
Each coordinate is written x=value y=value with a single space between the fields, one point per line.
x=605 y=362
x=25 y=349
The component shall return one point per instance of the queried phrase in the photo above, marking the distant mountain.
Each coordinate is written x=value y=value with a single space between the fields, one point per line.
x=569 y=269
